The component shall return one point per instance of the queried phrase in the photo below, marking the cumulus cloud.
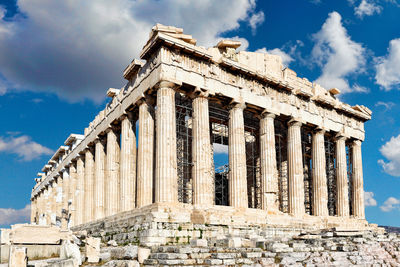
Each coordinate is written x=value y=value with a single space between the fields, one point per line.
x=366 y=8
x=337 y=55
x=23 y=146
x=390 y=204
x=78 y=50
x=255 y=20
x=369 y=199
x=391 y=151
x=12 y=216
x=220 y=149
x=386 y=105
x=388 y=67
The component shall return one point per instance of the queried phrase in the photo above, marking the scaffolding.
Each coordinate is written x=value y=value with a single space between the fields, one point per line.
x=219 y=118
x=306 y=145
x=330 y=173
x=252 y=130
x=183 y=106
x=350 y=176
x=281 y=158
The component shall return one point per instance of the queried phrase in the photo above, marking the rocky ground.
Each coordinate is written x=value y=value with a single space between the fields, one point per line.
x=327 y=248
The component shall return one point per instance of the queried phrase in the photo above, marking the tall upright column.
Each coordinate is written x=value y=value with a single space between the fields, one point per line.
x=112 y=170
x=342 y=187
x=88 y=213
x=319 y=182
x=269 y=171
x=295 y=173
x=53 y=202
x=145 y=154
x=79 y=194
x=128 y=163
x=166 y=182
x=237 y=158
x=59 y=198
x=34 y=203
x=73 y=175
x=358 y=183
x=99 y=169
x=202 y=171
x=65 y=198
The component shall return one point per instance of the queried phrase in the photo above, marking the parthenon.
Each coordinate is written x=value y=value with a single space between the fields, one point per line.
x=294 y=149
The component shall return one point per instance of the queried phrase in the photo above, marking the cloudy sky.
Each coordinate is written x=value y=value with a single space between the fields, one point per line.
x=58 y=58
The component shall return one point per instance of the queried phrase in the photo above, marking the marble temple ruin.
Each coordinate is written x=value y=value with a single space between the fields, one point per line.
x=149 y=157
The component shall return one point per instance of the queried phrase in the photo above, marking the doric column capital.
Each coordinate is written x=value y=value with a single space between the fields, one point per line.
x=295 y=122
x=237 y=105
x=199 y=92
x=356 y=142
x=168 y=84
x=319 y=130
x=341 y=136
x=267 y=114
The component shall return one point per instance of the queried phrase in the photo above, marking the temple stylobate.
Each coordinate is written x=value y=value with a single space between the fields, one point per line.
x=150 y=157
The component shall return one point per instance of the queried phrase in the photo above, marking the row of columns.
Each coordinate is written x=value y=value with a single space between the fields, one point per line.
x=116 y=176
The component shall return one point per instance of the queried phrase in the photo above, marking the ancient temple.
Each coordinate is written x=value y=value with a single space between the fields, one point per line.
x=147 y=161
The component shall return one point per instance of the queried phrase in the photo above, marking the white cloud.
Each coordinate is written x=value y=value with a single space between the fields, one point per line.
x=386 y=105
x=255 y=20
x=369 y=199
x=12 y=216
x=391 y=151
x=367 y=9
x=390 y=204
x=220 y=149
x=388 y=67
x=78 y=49
x=23 y=146
x=338 y=55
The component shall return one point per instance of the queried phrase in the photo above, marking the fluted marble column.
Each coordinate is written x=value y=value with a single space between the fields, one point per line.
x=112 y=170
x=319 y=182
x=88 y=213
x=59 y=200
x=72 y=193
x=79 y=193
x=342 y=188
x=99 y=169
x=128 y=163
x=202 y=156
x=358 y=183
x=237 y=158
x=166 y=179
x=47 y=204
x=34 y=209
x=269 y=172
x=53 y=205
x=65 y=198
x=145 y=155
x=295 y=170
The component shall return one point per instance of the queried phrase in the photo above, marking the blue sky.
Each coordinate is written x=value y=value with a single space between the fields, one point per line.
x=58 y=58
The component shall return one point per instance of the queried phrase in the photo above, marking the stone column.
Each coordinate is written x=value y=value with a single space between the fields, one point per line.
x=145 y=155
x=237 y=158
x=358 y=183
x=269 y=171
x=79 y=194
x=342 y=187
x=34 y=202
x=65 y=198
x=166 y=179
x=128 y=163
x=295 y=170
x=112 y=171
x=319 y=182
x=53 y=202
x=202 y=156
x=89 y=184
x=72 y=194
x=99 y=169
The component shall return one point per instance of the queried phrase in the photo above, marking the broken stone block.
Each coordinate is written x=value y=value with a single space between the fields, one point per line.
x=93 y=249
x=71 y=251
x=143 y=254
x=198 y=242
x=18 y=257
